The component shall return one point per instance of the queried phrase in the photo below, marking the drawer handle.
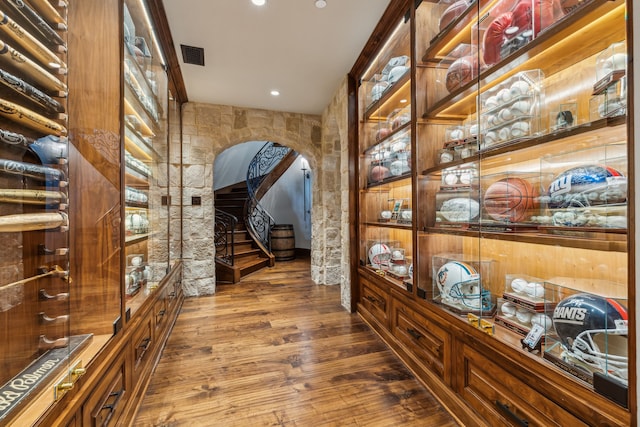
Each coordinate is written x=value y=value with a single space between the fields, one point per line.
x=415 y=334
x=142 y=348
x=172 y=294
x=114 y=397
x=371 y=299
x=505 y=408
x=162 y=312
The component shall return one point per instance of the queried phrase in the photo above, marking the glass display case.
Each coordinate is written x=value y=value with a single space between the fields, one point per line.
x=146 y=156
x=385 y=201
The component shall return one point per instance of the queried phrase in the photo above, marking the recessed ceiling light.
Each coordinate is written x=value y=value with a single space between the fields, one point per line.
x=259 y=2
x=275 y=93
x=321 y=3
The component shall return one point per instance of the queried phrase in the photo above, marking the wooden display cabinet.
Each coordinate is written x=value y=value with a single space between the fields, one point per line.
x=82 y=153
x=523 y=161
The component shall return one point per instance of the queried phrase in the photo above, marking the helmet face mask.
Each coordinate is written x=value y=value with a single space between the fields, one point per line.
x=593 y=332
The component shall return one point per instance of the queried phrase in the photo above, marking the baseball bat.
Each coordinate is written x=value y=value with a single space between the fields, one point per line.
x=30 y=170
x=28 y=42
x=30 y=92
x=35 y=72
x=55 y=271
x=31 y=197
x=15 y=139
x=48 y=12
x=28 y=118
x=32 y=221
x=36 y=21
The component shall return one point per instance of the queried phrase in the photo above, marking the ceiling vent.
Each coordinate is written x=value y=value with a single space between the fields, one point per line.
x=192 y=55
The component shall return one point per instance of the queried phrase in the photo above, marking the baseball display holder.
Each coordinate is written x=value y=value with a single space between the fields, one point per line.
x=511 y=110
x=588 y=337
x=457 y=284
x=390 y=158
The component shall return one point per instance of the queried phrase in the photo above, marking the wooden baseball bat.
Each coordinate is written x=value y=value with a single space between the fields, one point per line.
x=55 y=271
x=32 y=70
x=30 y=92
x=32 y=197
x=36 y=21
x=47 y=11
x=32 y=221
x=29 y=43
x=15 y=139
x=42 y=173
x=31 y=119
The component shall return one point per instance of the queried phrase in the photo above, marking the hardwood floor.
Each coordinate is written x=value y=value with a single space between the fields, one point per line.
x=277 y=350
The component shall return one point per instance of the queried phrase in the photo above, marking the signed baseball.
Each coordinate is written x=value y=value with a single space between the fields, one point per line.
x=519 y=129
x=518 y=284
x=519 y=88
x=508 y=309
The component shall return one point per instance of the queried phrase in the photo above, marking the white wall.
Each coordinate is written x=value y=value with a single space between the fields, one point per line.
x=284 y=201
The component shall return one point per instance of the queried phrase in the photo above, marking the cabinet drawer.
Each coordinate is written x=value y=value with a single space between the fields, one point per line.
x=141 y=347
x=505 y=400
x=160 y=311
x=107 y=401
x=424 y=338
x=375 y=301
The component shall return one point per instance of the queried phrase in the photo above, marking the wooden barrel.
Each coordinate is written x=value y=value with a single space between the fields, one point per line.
x=283 y=242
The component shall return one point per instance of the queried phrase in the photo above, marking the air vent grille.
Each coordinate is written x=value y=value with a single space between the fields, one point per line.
x=192 y=55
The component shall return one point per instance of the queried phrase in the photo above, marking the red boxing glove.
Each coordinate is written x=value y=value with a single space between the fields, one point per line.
x=494 y=38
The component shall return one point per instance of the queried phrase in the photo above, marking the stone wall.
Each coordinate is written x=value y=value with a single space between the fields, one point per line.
x=208 y=130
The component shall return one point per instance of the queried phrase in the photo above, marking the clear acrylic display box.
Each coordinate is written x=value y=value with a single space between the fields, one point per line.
x=528 y=291
x=588 y=337
x=379 y=253
x=389 y=158
x=518 y=318
x=381 y=82
x=457 y=209
x=459 y=177
x=612 y=61
x=457 y=284
x=585 y=188
x=450 y=10
x=459 y=68
x=510 y=197
x=563 y=116
x=511 y=110
x=399 y=117
x=610 y=101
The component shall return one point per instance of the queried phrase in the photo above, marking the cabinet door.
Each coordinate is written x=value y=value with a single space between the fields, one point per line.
x=108 y=399
x=145 y=153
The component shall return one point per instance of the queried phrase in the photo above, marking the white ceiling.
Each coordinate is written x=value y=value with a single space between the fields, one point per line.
x=288 y=45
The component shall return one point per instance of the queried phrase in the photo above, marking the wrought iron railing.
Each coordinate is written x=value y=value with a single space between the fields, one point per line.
x=224 y=236
x=257 y=218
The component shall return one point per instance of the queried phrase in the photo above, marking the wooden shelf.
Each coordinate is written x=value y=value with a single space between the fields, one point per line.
x=136 y=238
x=390 y=100
x=387 y=225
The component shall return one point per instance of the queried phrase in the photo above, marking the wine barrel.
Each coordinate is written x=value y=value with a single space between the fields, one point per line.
x=283 y=242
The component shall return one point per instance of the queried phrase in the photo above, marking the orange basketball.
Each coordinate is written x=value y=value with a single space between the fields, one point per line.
x=461 y=72
x=510 y=199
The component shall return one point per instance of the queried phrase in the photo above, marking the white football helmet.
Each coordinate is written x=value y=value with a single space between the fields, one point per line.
x=380 y=256
x=459 y=284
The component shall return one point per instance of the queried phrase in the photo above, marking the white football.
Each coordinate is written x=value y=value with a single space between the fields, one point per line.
x=399 y=146
x=519 y=88
x=460 y=209
x=523 y=315
x=399 y=167
x=377 y=90
x=396 y=73
x=542 y=320
x=504 y=95
x=535 y=290
x=519 y=129
x=508 y=309
x=518 y=285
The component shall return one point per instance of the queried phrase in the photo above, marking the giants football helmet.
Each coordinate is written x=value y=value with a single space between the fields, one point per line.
x=459 y=284
x=593 y=332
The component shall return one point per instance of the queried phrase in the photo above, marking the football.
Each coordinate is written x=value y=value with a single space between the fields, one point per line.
x=588 y=185
x=510 y=200
x=461 y=72
x=460 y=209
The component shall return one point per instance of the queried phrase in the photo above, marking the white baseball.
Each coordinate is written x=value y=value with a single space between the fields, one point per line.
x=534 y=289
x=456 y=134
x=519 y=88
x=493 y=120
x=385 y=214
x=473 y=130
x=617 y=61
x=400 y=270
x=542 y=320
x=450 y=179
x=519 y=129
x=490 y=138
x=518 y=284
x=399 y=146
x=397 y=255
x=521 y=107
x=446 y=157
x=465 y=178
x=504 y=134
x=523 y=315
x=508 y=309
x=505 y=115
x=504 y=95
x=491 y=102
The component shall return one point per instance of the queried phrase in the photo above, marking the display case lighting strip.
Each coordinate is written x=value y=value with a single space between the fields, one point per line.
x=143 y=4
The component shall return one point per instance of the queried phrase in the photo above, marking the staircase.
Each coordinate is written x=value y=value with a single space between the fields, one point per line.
x=240 y=251
x=247 y=256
